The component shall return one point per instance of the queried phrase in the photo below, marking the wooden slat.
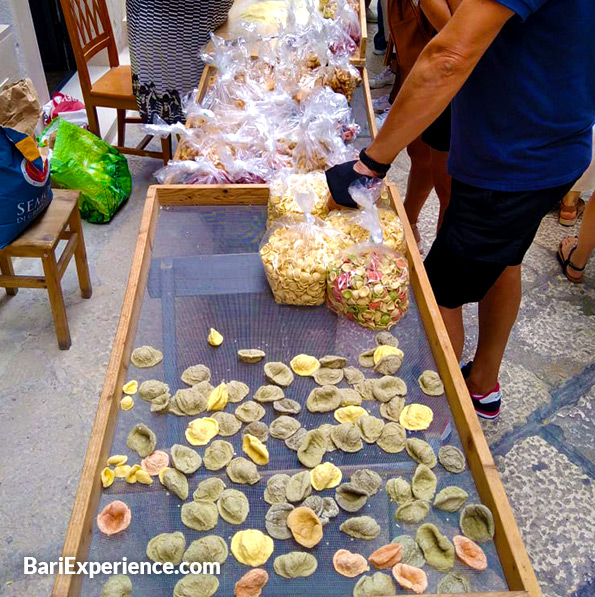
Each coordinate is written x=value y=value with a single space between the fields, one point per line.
x=67 y=254
x=96 y=45
x=368 y=103
x=360 y=60
x=144 y=142
x=140 y=152
x=509 y=544
x=220 y=194
x=78 y=537
x=22 y=282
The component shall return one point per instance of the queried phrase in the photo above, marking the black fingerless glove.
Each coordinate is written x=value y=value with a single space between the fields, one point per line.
x=339 y=178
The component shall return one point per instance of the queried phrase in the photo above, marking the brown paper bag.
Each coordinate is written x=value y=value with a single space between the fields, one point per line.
x=19 y=107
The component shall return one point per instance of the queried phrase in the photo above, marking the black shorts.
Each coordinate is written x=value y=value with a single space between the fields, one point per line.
x=437 y=135
x=483 y=232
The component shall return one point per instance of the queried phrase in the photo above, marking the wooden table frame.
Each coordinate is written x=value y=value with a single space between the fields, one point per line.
x=513 y=556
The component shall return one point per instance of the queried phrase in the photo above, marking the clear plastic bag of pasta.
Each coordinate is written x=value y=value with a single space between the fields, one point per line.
x=335 y=106
x=295 y=253
x=198 y=171
x=352 y=222
x=369 y=282
x=285 y=188
x=320 y=146
x=339 y=39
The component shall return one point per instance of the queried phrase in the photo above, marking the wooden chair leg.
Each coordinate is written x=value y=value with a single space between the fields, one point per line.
x=80 y=255
x=93 y=120
x=166 y=148
x=121 y=128
x=7 y=269
x=52 y=279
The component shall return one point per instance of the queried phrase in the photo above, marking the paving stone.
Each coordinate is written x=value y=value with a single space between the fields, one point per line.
x=554 y=333
x=553 y=503
x=578 y=424
x=522 y=394
x=539 y=265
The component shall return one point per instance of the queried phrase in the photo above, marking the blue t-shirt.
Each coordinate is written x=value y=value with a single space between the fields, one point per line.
x=523 y=119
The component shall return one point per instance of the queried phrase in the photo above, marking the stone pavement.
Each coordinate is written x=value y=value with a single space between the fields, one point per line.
x=544 y=441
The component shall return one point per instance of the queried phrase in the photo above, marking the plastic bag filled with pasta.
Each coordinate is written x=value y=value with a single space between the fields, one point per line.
x=340 y=41
x=295 y=253
x=288 y=185
x=231 y=83
x=319 y=147
x=352 y=222
x=348 y=18
x=342 y=77
x=198 y=171
x=369 y=283
x=326 y=101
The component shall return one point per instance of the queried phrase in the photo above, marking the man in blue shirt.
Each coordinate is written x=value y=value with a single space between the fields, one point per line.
x=523 y=73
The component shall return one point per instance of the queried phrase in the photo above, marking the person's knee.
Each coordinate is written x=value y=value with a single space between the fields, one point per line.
x=509 y=281
x=511 y=274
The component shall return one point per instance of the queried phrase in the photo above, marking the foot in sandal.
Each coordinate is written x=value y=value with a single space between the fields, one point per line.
x=573 y=271
x=571 y=208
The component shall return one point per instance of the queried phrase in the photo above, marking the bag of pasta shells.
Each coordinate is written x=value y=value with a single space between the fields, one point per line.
x=295 y=253
x=369 y=282
x=319 y=147
x=350 y=222
x=286 y=185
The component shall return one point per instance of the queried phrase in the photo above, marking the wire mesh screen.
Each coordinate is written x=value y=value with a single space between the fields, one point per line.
x=205 y=272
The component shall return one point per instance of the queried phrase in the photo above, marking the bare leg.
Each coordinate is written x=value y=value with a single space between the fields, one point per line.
x=497 y=314
x=442 y=181
x=419 y=183
x=453 y=320
x=586 y=237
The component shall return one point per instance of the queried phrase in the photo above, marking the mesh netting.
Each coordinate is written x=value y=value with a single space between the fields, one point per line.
x=205 y=272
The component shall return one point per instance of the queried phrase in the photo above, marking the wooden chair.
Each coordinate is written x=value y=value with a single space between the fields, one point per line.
x=61 y=221
x=90 y=31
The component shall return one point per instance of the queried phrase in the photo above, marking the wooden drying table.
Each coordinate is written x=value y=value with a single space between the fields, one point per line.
x=509 y=545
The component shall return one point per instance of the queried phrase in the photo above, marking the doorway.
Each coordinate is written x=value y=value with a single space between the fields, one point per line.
x=53 y=41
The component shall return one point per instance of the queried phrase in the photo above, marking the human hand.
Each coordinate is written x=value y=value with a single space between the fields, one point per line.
x=340 y=177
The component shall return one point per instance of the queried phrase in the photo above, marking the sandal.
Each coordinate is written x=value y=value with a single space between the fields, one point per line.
x=569 y=213
x=566 y=262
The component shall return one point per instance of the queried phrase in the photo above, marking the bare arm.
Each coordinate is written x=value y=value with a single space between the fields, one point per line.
x=440 y=71
x=438 y=12
x=454 y=4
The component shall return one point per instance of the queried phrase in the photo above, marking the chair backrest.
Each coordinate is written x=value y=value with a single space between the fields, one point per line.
x=90 y=31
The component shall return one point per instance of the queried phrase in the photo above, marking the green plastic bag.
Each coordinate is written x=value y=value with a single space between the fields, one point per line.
x=84 y=162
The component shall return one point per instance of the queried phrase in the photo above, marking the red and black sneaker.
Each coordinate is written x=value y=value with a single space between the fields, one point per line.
x=487 y=406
